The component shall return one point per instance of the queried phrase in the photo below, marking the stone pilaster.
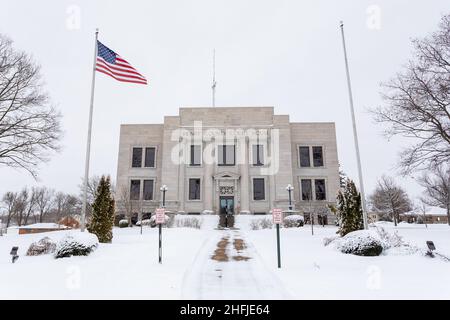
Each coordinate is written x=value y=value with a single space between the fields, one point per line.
x=245 y=190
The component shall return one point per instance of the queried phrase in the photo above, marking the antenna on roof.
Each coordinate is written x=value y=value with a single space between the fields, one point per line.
x=213 y=87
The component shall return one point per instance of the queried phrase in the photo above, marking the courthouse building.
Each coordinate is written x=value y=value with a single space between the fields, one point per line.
x=235 y=160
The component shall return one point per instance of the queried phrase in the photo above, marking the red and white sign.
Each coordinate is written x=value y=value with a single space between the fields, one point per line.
x=160 y=215
x=277 y=215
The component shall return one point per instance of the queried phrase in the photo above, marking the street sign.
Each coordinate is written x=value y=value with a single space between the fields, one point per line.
x=277 y=215
x=160 y=215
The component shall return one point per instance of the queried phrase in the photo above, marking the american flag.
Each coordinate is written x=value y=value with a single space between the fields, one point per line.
x=110 y=63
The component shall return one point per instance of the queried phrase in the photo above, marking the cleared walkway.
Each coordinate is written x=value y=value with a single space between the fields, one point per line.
x=227 y=266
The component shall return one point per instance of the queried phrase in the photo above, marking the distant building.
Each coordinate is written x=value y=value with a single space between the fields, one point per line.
x=432 y=215
x=41 y=227
x=237 y=160
x=69 y=222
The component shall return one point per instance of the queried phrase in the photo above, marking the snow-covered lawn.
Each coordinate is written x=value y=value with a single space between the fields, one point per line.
x=312 y=271
x=129 y=269
x=126 y=269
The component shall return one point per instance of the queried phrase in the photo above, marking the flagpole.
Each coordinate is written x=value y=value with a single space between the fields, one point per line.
x=355 y=133
x=214 y=79
x=88 y=144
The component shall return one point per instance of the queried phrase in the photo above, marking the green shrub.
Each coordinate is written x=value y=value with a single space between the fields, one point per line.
x=123 y=223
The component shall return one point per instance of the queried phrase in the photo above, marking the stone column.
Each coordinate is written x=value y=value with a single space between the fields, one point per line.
x=245 y=190
x=208 y=185
x=181 y=181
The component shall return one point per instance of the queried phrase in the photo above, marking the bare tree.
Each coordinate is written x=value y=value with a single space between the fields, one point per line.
x=64 y=205
x=422 y=208
x=20 y=205
x=92 y=186
x=29 y=125
x=128 y=206
x=44 y=201
x=390 y=198
x=437 y=188
x=417 y=102
x=9 y=200
x=25 y=205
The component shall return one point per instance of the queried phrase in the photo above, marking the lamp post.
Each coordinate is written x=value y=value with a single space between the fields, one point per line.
x=163 y=190
x=311 y=214
x=289 y=189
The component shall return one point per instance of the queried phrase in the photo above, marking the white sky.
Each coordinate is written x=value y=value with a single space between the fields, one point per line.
x=285 y=54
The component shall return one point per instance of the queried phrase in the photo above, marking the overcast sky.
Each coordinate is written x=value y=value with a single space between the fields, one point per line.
x=286 y=54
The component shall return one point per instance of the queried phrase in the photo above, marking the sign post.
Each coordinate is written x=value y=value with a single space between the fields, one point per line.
x=160 y=215
x=277 y=215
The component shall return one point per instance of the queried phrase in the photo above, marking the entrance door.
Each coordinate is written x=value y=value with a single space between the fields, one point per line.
x=226 y=205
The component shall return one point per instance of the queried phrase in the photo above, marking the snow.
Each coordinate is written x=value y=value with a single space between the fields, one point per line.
x=251 y=279
x=294 y=217
x=84 y=238
x=435 y=211
x=356 y=240
x=44 y=226
x=128 y=268
x=311 y=270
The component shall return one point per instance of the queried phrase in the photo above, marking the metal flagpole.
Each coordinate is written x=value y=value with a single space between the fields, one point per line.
x=88 y=144
x=355 y=133
x=214 y=79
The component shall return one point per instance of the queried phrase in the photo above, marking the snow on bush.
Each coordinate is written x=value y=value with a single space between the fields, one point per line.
x=76 y=244
x=263 y=223
x=167 y=221
x=393 y=243
x=360 y=243
x=181 y=221
x=123 y=223
x=389 y=240
x=145 y=222
x=327 y=240
x=293 y=221
x=43 y=246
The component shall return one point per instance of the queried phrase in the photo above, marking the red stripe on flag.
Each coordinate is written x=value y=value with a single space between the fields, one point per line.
x=118 y=74
x=120 y=79
x=114 y=68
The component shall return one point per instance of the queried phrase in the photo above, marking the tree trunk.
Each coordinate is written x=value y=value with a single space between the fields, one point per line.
x=448 y=213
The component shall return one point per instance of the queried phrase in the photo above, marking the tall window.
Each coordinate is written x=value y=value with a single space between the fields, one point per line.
x=258 y=154
x=135 y=189
x=150 y=154
x=226 y=155
x=258 y=189
x=148 y=190
x=136 y=161
x=320 y=189
x=317 y=156
x=194 y=189
x=196 y=155
x=306 y=189
x=304 y=157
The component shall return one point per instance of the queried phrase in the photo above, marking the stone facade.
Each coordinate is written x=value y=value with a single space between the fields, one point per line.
x=230 y=178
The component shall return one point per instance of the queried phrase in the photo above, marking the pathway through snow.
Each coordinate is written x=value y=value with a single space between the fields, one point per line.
x=227 y=266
